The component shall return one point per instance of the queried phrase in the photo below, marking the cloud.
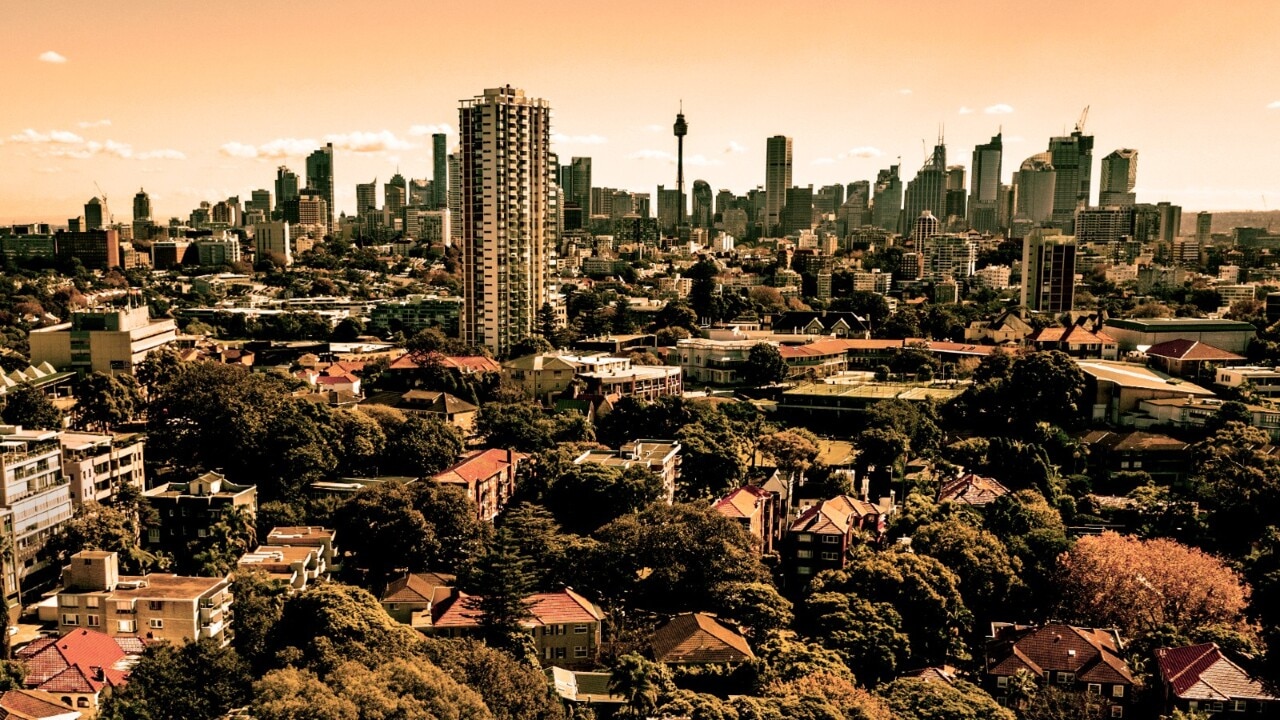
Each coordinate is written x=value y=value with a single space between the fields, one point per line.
x=277 y=149
x=701 y=161
x=824 y=161
x=368 y=142
x=904 y=91
x=239 y=149
x=966 y=110
x=62 y=137
x=165 y=154
x=652 y=155
x=66 y=144
x=1273 y=105
x=865 y=151
x=653 y=128
x=562 y=139
x=734 y=148
x=999 y=109
x=1015 y=139
x=88 y=124
x=50 y=56
x=420 y=130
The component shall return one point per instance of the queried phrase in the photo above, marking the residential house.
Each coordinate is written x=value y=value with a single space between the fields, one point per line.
x=583 y=688
x=1076 y=342
x=78 y=666
x=413 y=599
x=1007 y=328
x=759 y=511
x=820 y=538
x=542 y=376
x=1075 y=659
x=836 y=402
x=832 y=323
x=35 y=705
x=312 y=536
x=1201 y=678
x=566 y=627
x=188 y=510
x=488 y=477
x=99 y=465
x=713 y=362
x=1166 y=459
x=1190 y=359
x=699 y=639
x=643 y=382
x=971 y=489
x=157 y=606
x=460 y=365
x=433 y=403
x=662 y=457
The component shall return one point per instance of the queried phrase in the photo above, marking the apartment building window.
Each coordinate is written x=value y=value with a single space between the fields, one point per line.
x=831 y=539
x=1117 y=691
x=580 y=629
x=91 y=602
x=70 y=619
x=804 y=570
x=1239 y=706
x=70 y=601
x=1002 y=681
x=1066 y=678
x=579 y=651
x=156 y=605
x=126 y=626
x=804 y=554
x=830 y=556
x=156 y=624
x=1117 y=711
x=93 y=620
x=1095 y=689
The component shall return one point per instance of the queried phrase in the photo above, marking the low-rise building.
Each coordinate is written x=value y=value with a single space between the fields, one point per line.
x=433 y=403
x=643 y=382
x=820 y=538
x=294 y=566
x=488 y=477
x=1264 y=381
x=662 y=457
x=1166 y=459
x=78 y=666
x=1200 y=678
x=23 y=704
x=188 y=510
x=713 y=362
x=310 y=536
x=758 y=510
x=1113 y=389
x=99 y=465
x=542 y=375
x=1194 y=412
x=417 y=312
x=157 y=606
x=1076 y=342
x=1190 y=359
x=566 y=627
x=1075 y=659
x=971 y=489
x=1141 y=333
x=411 y=599
x=699 y=639
x=111 y=342
x=837 y=401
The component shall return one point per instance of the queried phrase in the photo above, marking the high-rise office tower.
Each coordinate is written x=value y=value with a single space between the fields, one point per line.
x=1204 y=227
x=141 y=206
x=681 y=128
x=577 y=184
x=886 y=208
x=366 y=198
x=1119 y=176
x=668 y=210
x=507 y=193
x=320 y=177
x=641 y=205
x=984 y=186
x=94 y=214
x=1072 y=158
x=797 y=211
x=928 y=189
x=1034 y=188
x=828 y=199
x=395 y=195
x=439 y=171
x=702 y=207
x=271 y=241
x=286 y=186
x=777 y=178
x=724 y=200
x=1048 y=271
x=1170 y=221
x=260 y=200
x=955 y=197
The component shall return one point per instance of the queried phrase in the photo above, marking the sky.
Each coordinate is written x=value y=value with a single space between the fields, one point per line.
x=201 y=101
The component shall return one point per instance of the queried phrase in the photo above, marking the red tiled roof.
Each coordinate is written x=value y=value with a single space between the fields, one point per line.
x=1092 y=655
x=82 y=661
x=972 y=489
x=835 y=516
x=697 y=639
x=555 y=608
x=479 y=466
x=418 y=587
x=1202 y=672
x=30 y=705
x=743 y=502
x=1182 y=349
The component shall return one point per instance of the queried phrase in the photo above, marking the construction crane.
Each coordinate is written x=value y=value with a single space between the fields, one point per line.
x=1084 y=116
x=106 y=207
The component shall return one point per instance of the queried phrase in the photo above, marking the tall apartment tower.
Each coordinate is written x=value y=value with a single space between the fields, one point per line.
x=984 y=186
x=320 y=176
x=928 y=189
x=439 y=171
x=1048 y=271
x=777 y=178
x=886 y=207
x=453 y=199
x=1072 y=158
x=1119 y=176
x=141 y=206
x=955 y=194
x=507 y=192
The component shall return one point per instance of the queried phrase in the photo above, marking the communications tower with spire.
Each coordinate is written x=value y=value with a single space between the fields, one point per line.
x=681 y=129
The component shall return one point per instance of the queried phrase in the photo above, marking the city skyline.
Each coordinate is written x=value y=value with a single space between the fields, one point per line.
x=189 y=118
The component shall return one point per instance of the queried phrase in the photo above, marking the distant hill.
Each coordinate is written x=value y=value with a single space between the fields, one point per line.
x=1225 y=220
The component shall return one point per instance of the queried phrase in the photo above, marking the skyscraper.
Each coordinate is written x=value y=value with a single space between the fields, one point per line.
x=928 y=189
x=366 y=198
x=286 y=186
x=260 y=200
x=984 y=185
x=439 y=171
x=797 y=211
x=454 y=198
x=777 y=178
x=1204 y=227
x=1034 y=187
x=1048 y=271
x=141 y=206
x=886 y=209
x=1072 y=158
x=395 y=195
x=320 y=177
x=1119 y=176
x=955 y=194
x=93 y=214
x=702 y=207
x=577 y=184
x=507 y=189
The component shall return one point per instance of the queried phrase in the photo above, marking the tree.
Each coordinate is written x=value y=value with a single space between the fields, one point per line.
x=233 y=535
x=764 y=365
x=103 y=401
x=105 y=527
x=502 y=583
x=757 y=607
x=1111 y=580
x=327 y=625
x=383 y=532
x=793 y=451
x=1047 y=386
x=1032 y=531
x=916 y=699
x=839 y=692
x=257 y=604
x=1051 y=703
x=293 y=694
x=1239 y=481
x=421 y=446
x=869 y=636
x=587 y=496
x=521 y=426
x=347 y=330
x=990 y=581
x=28 y=406
x=710 y=462
x=512 y=689
x=640 y=681
x=530 y=345
x=196 y=681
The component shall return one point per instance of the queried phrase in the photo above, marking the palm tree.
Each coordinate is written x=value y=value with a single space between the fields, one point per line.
x=640 y=681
